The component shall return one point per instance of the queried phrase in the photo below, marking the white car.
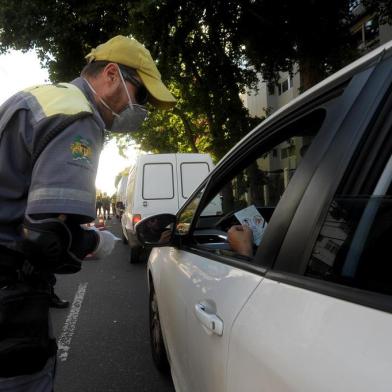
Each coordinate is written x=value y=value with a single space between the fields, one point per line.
x=310 y=309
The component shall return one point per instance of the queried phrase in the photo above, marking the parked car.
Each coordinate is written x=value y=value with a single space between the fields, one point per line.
x=311 y=309
x=121 y=197
x=160 y=183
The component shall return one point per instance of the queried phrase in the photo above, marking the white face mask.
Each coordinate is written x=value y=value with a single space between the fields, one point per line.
x=130 y=118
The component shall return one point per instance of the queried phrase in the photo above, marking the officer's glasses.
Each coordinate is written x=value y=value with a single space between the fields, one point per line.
x=141 y=93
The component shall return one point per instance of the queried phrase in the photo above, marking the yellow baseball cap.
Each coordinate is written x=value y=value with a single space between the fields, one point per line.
x=131 y=53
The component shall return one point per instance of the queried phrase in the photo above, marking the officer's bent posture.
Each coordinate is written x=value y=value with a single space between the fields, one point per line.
x=50 y=140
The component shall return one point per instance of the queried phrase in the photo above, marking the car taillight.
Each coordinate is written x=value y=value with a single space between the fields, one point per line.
x=136 y=218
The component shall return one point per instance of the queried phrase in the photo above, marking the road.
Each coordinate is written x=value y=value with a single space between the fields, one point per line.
x=104 y=336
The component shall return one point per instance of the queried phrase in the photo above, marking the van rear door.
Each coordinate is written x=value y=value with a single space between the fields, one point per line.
x=159 y=185
x=192 y=170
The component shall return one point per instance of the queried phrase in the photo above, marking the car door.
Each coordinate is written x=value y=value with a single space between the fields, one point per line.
x=198 y=300
x=323 y=312
x=215 y=293
x=206 y=283
x=329 y=328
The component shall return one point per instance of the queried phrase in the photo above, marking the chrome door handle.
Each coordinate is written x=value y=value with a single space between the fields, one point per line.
x=211 y=321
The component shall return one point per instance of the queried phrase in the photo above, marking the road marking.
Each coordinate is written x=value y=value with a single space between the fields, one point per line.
x=64 y=342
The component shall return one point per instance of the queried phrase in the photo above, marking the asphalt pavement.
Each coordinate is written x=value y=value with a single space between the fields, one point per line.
x=103 y=337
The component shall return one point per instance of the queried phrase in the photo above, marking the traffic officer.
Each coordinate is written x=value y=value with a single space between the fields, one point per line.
x=50 y=140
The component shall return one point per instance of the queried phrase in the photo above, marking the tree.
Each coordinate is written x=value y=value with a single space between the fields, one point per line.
x=193 y=40
x=197 y=45
x=311 y=33
x=62 y=32
x=208 y=52
x=178 y=130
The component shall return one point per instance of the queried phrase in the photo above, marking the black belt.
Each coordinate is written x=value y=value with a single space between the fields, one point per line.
x=10 y=265
x=10 y=257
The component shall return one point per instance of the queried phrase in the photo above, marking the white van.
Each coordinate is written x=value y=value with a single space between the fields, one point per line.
x=160 y=183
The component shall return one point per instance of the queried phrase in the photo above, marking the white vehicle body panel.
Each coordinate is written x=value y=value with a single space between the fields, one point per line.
x=156 y=186
x=191 y=173
x=122 y=189
x=290 y=339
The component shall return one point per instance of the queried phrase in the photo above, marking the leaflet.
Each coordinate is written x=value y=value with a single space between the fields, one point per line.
x=251 y=217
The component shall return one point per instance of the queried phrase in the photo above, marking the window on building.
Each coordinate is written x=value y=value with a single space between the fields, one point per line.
x=289 y=151
x=354 y=4
x=371 y=31
x=366 y=34
x=285 y=85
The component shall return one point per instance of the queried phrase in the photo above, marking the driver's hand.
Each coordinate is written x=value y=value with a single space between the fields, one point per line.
x=240 y=238
x=165 y=237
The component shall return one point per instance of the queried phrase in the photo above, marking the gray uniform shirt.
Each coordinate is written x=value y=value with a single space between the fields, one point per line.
x=63 y=178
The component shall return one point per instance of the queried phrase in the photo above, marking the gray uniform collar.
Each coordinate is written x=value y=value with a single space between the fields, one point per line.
x=83 y=86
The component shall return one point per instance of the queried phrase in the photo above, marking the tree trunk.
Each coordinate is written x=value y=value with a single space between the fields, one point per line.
x=256 y=182
x=227 y=198
x=310 y=73
x=188 y=129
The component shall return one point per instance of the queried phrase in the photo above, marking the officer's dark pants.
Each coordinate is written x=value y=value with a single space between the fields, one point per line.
x=41 y=381
x=27 y=346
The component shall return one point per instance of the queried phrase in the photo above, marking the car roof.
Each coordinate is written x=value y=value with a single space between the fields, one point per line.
x=316 y=90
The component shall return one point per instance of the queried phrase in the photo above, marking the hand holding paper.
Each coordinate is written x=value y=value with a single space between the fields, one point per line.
x=250 y=217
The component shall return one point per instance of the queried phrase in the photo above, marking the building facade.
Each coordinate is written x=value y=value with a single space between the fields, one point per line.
x=367 y=33
x=278 y=166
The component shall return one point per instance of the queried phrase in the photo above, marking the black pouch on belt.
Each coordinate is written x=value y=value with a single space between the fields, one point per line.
x=25 y=341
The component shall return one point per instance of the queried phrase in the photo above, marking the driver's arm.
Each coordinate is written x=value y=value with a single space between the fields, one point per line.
x=240 y=238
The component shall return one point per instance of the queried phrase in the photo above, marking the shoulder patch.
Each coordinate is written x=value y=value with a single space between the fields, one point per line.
x=81 y=149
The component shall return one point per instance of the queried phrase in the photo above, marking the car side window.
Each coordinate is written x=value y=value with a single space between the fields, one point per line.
x=185 y=218
x=249 y=196
x=263 y=182
x=352 y=248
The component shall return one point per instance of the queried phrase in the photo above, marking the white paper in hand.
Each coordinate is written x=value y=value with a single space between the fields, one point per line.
x=105 y=245
x=252 y=218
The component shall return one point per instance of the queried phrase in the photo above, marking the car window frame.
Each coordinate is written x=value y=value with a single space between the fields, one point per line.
x=246 y=151
x=366 y=148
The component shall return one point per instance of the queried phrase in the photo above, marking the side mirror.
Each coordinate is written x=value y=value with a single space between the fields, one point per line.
x=156 y=230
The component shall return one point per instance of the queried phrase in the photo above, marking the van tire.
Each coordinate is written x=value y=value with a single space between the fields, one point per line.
x=134 y=255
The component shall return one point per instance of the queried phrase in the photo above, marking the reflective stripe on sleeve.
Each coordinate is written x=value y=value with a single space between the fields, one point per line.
x=60 y=194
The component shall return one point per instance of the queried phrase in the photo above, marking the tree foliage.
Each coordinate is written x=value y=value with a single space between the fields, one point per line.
x=194 y=41
x=311 y=33
x=208 y=53
x=197 y=46
x=177 y=130
x=62 y=32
